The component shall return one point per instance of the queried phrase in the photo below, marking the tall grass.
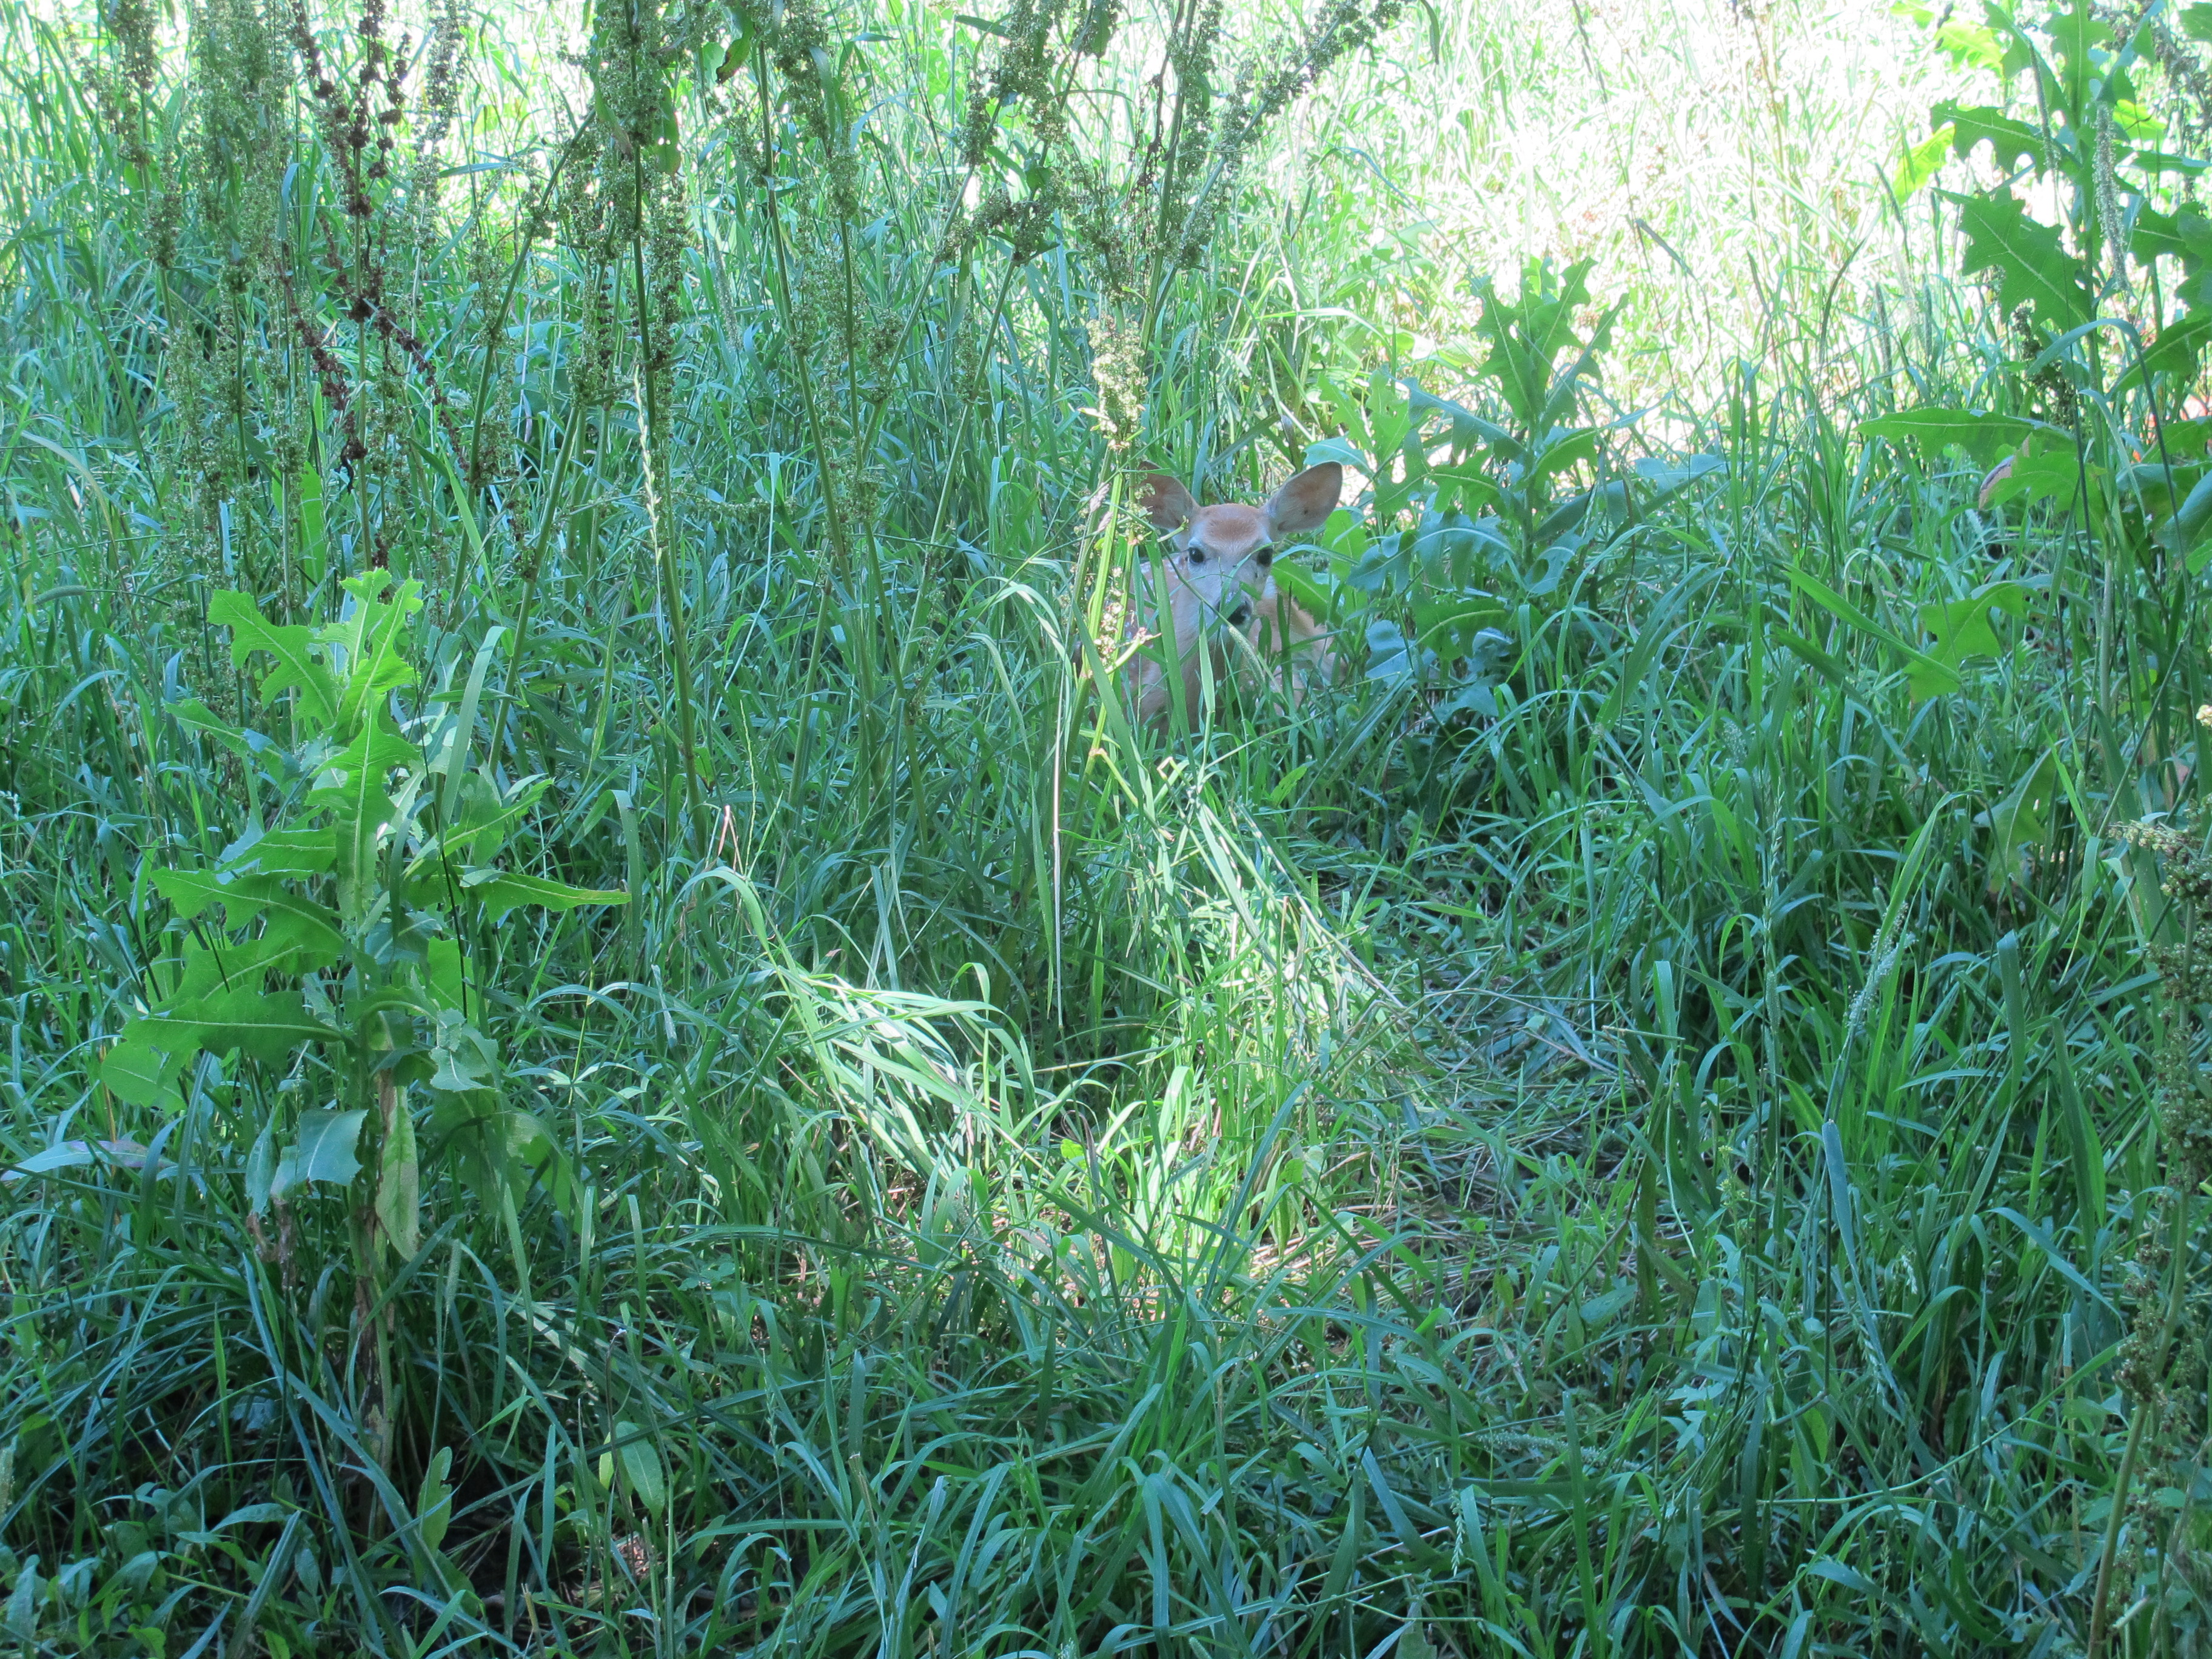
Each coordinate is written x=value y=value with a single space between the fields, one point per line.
x=1675 y=1164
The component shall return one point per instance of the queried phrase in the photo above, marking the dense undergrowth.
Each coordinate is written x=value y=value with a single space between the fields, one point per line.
x=756 y=1114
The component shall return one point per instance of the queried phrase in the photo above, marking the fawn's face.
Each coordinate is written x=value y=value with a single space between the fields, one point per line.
x=1223 y=557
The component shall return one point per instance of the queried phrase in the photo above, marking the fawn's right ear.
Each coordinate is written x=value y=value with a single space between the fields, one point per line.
x=1165 y=502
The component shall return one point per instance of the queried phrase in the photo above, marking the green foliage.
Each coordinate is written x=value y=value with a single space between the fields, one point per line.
x=2029 y=264
x=1657 y=1118
x=1476 y=527
x=2091 y=134
x=370 y=873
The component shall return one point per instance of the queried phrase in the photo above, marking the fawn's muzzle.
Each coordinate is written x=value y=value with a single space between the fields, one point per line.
x=1241 y=614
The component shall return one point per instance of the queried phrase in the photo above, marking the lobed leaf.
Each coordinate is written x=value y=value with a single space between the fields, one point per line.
x=500 y=891
x=293 y=646
x=2028 y=262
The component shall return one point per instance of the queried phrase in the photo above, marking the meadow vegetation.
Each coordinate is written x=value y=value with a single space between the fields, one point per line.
x=617 y=1045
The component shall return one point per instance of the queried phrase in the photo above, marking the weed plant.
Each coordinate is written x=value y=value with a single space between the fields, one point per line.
x=615 y=1045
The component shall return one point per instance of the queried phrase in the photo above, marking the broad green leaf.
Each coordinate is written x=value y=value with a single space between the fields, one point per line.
x=500 y=891
x=2184 y=234
x=1924 y=161
x=300 y=933
x=2185 y=532
x=1666 y=477
x=190 y=891
x=1529 y=333
x=1450 y=552
x=375 y=753
x=2011 y=141
x=1390 y=417
x=195 y=716
x=2022 y=821
x=1462 y=487
x=297 y=668
x=445 y=974
x=1342 y=451
x=399 y=1185
x=1351 y=414
x=200 y=971
x=298 y=938
x=314 y=551
x=1469 y=433
x=2161 y=486
x=2052 y=475
x=2028 y=261
x=2138 y=125
x=22 y=1615
x=1984 y=437
x=261 y=1168
x=325 y=1150
x=433 y=1503
x=1570 y=514
x=1449 y=625
x=2159 y=160
x=354 y=794
x=305 y=930
x=1971 y=46
x=1566 y=450
x=354 y=630
x=268 y=1026
x=641 y=1468
x=2173 y=353
x=369 y=634
x=2077 y=36
x=307 y=852
x=465 y=1059
x=81 y=1154
x=2190 y=438
x=1962 y=629
x=2196 y=22
x=1390 y=655
x=147 y=1057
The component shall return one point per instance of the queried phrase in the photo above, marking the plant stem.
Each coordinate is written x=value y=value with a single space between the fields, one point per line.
x=663 y=562
x=2138 y=1427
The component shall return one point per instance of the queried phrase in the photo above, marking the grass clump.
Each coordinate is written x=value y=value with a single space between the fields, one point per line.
x=616 y=1044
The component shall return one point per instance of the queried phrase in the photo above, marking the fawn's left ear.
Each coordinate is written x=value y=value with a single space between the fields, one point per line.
x=1306 y=502
x=1165 y=502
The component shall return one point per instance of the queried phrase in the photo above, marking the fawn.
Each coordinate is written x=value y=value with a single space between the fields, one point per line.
x=1219 y=574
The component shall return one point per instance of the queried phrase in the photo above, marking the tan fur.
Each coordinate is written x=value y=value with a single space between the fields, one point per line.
x=1220 y=577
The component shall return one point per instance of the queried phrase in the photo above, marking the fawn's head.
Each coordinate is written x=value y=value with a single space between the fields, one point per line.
x=1226 y=553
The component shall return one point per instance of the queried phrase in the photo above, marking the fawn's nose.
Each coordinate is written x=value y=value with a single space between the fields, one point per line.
x=1241 y=614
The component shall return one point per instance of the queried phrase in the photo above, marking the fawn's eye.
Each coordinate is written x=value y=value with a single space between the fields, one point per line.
x=1265 y=555
x=1197 y=555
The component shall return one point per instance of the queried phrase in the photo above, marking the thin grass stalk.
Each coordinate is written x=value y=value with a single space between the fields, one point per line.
x=2139 y=1427
x=1158 y=274
x=671 y=594
x=555 y=497
x=531 y=222
x=825 y=468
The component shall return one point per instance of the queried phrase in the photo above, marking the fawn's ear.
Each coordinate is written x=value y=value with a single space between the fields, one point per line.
x=1306 y=502
x=1165 y=502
